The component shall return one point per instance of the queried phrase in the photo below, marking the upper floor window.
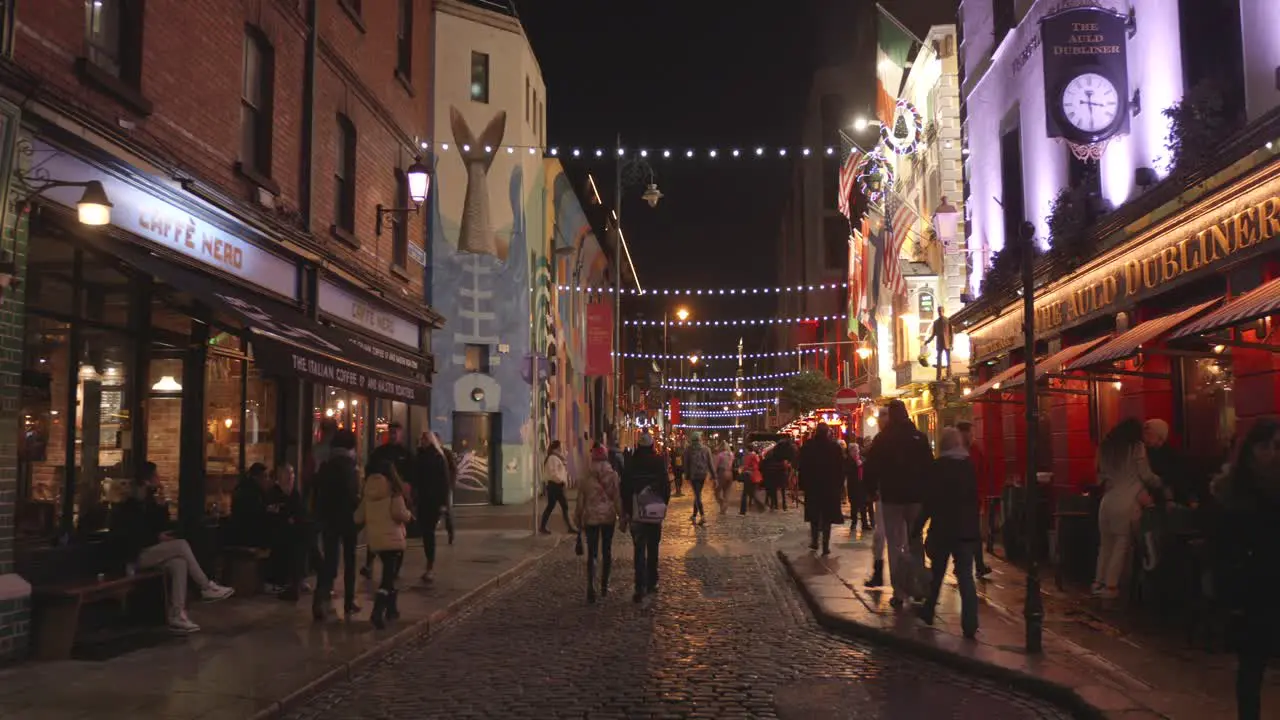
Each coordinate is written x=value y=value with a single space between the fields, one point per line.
x=400 y=233
x=480 y=76
x=404 y=40
x=113 y=35
x=527 y=101
x=255 y=103
x=344 y=176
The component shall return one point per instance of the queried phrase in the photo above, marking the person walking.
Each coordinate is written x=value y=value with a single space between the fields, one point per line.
x=775 y=468
x=897 y=463
x=858 y=506
x=337 y=495
x=1245 y=547
x=384 y=512
x=724 y=462
x=677 y=469
x=392 y=452
x=431 y=474
x=645 y=495
x=821 y=478
x=140 y=534
x=596 y=511
x=1127 y=483
x=751 y=480
x=555 y=475
x=451 y=463
x=697 y=462
x=951 y=508
x=978 y=459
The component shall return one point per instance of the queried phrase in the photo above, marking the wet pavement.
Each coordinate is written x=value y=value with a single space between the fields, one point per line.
x=727 y=636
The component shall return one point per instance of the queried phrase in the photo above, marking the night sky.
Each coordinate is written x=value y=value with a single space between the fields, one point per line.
x=685 y=74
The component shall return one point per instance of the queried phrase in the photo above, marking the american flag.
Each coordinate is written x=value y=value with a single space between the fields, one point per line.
x=898 y=217
x=848 y=175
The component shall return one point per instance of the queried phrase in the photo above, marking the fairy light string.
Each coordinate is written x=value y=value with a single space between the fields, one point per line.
x=707 y=292
x=735 y=323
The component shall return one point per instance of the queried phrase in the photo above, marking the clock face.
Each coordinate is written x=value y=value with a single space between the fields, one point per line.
x=1090 y=102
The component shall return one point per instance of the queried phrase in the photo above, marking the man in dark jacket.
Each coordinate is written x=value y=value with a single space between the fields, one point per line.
x=951 y=507
x=249 y=526
x=337 y=493
x=645 y=495
x=897 y=464
x=288 y=530
x=431 y=490
x=822 y=479
x=774 y=468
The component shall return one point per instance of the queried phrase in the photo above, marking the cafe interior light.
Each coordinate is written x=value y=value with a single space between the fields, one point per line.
x=227 y=423
x=166 y=384
x=328 y=412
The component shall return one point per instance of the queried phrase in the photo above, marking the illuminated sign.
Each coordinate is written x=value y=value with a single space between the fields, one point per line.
x=340 y=303
x=1086 y=80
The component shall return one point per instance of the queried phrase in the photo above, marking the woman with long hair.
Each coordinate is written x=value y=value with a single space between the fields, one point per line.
x=555 y=476
x=1127 y=481
x=597 y=510
x=384 y=511
x=1247 y=543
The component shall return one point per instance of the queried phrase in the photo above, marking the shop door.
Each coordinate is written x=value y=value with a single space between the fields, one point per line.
x=475 y=444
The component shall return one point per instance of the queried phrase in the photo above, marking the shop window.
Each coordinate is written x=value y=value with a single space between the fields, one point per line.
x=480 y=77
x=387 y=412
x=255 y=103
x=164 y=417
x=1106 y=408
x=104 y=425
x=1209 y=410
x=350 y=411
x=261 y=407
x=400 y=227
x=222 y=428
x=42 y=453
x=344 y=177
x=404 y=41
x=113 y=37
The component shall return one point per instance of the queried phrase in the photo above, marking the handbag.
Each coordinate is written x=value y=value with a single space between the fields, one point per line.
x=650 y=509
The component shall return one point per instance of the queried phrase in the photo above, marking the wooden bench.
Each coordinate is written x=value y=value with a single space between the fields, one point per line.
x=242 y=569
x=65 y=582
x=57 y=608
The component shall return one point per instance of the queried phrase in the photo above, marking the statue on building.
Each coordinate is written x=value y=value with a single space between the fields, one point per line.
x=943 y=337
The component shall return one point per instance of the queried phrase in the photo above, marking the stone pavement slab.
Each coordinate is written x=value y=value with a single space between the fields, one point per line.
x=254 y=656
x=1097 y=667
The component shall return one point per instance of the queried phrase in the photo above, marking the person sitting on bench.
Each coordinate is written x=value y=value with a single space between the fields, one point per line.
x=249 y=521
x=139 y=526
x=287 y=527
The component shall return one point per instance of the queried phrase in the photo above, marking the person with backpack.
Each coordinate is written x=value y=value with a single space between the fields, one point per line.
x=645 y=495
x=697 y=462
x=337 y=494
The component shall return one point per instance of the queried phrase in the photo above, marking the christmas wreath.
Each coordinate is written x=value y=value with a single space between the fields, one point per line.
x=905 y=134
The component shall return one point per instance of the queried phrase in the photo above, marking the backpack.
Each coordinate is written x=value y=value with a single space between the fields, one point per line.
x=650 y=508
x=699 y=463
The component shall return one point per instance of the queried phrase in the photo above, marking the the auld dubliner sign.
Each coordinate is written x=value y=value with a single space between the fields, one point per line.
x=1086 y=77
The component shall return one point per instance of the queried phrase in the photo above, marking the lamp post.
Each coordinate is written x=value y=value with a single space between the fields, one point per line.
x=1033 y=606
x=651 y=196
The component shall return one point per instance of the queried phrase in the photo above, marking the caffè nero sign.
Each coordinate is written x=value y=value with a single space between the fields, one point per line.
x=1143 y=271
x=346 y=306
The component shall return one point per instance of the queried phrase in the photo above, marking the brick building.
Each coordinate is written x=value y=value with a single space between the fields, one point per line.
x=248 y=281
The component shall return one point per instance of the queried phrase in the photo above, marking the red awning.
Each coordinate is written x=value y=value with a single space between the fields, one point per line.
x=1057 y=361
x=1259 y=302
x=1128 y=344
x=1002 y=379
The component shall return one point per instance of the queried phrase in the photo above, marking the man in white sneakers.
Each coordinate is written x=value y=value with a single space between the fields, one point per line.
x=139 y=530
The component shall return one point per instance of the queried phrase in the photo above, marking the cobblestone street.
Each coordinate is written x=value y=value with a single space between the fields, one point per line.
x=726 y=637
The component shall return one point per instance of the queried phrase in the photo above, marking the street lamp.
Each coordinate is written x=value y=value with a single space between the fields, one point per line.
x=1033 y=605
x=682 y=314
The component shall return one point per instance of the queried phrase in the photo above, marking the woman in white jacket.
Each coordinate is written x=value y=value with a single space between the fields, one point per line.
x=1127 y=481
x=384 y=513
x=555 y=475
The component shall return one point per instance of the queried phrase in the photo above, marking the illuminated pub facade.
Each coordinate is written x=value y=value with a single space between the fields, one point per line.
x=1166 y=312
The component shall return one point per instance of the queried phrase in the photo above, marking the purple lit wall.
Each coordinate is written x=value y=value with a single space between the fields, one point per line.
x=1260 y=24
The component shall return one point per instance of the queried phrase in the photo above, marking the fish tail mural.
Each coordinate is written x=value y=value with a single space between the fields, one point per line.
x=477 y=235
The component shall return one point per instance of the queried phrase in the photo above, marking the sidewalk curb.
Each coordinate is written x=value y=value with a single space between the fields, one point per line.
x=1053 y=692
x=409 y=633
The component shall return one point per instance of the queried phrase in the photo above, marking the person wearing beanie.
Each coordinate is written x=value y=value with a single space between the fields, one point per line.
x=597 y=510
x=645 y=495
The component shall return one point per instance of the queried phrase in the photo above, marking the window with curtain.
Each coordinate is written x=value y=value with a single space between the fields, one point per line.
x=344 y=177
x=256 y=103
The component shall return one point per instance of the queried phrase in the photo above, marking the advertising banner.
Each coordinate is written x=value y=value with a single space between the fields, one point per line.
x=599 y=339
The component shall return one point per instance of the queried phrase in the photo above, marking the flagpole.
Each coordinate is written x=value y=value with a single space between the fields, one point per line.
x=898 y=22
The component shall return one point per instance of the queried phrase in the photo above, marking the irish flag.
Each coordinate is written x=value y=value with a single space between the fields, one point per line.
x=893 y=54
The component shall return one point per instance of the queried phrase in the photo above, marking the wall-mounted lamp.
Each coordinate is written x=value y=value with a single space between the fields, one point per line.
x=419 y=181
x=1135 y=105
x=94 y=208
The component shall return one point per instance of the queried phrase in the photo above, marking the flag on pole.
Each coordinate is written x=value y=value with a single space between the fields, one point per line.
x=893 y=52
x=848 y=175
x=854 y=283
x=897 y=225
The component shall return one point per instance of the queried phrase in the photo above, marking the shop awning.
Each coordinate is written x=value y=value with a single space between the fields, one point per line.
x=1055 y=363
x=1129 y=343
x=1001 y=380
x=1259 y=302
x=283 y=339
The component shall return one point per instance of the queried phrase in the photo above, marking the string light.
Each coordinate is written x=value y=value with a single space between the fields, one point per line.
x=708 y=427
x=734 y=323
x=744 y=378
x=724 y=413
x=707 y=403
x=720 y=356
x=707 y=291
x=691 y=153
x=696 y=388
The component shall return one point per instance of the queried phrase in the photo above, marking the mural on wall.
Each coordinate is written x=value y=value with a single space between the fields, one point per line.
x=578 y=263
x=481 y=257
